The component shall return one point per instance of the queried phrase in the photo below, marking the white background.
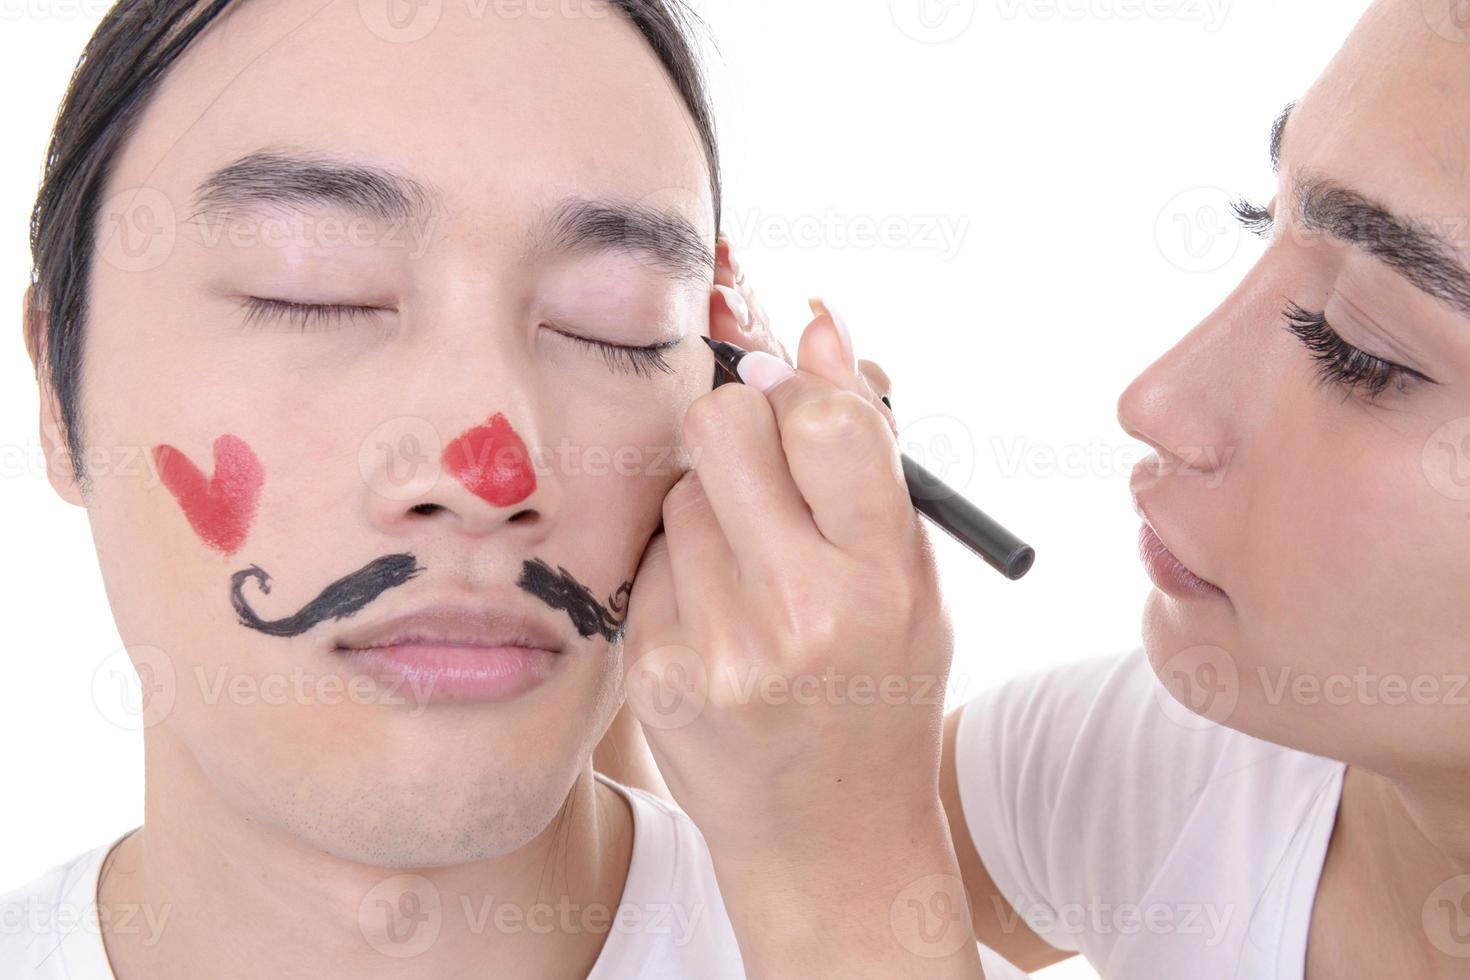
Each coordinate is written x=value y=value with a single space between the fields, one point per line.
x=1018 y=204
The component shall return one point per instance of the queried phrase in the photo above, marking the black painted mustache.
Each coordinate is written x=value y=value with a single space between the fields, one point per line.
x=339 y=600
x=560 y=590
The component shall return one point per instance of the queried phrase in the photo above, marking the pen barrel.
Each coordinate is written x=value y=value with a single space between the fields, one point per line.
x=966 y=523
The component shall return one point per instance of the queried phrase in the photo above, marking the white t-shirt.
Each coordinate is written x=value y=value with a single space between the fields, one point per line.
x=1120 y=825
x=676 y=926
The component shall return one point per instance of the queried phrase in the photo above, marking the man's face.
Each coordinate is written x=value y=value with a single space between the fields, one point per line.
x=1336 y=518
x=311 y=444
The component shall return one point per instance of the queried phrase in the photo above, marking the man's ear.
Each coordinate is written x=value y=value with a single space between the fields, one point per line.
x=59 y=470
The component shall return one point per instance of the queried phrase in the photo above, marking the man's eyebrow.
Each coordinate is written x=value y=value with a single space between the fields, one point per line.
x=1419 y=254
x=1278 y=131
x=270 y=179
x=666 y=240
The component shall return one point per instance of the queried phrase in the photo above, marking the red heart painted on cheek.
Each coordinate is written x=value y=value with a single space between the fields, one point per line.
x=492 y=462
x=220 y=509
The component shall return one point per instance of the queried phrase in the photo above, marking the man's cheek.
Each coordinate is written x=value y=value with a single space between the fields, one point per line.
x=220 y=506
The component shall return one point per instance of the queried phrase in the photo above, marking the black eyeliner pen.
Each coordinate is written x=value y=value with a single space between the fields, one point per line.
x=933 y=498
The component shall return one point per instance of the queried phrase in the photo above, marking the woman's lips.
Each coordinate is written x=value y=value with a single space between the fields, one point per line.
x=1169 y=573
x=436 y=671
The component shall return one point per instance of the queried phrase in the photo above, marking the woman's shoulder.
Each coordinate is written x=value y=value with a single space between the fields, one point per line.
x=1090 y=788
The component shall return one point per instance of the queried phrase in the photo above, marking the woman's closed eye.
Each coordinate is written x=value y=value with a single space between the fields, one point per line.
x=312 y=317
x=1342 y=364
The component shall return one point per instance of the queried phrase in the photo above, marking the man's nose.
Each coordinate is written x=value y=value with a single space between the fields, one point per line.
x=480 y=478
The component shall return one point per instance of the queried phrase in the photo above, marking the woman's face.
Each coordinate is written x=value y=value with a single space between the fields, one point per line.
x=1326 y=494
x=312 y=446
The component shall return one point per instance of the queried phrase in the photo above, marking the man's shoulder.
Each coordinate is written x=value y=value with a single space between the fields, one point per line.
x=48 y=926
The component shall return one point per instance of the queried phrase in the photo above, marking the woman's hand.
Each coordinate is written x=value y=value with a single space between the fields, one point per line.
x=786 y=651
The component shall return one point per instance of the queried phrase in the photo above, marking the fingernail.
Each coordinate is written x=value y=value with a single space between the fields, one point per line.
x=735 y=270
x=820 y=306
x=762 y=370
x=737 y=305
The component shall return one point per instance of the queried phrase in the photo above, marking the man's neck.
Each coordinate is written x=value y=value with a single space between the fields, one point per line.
x=232 y=898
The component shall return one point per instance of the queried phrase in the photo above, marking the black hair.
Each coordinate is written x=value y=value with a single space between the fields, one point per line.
x=117 y=75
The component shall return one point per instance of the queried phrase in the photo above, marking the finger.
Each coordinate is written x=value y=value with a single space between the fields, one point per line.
x=880 y=386
x=735 y=446
x=822 y=352
x=704 y=567
x=876 y=377
x=736 y=315
x=653 y=613
x=844 y=461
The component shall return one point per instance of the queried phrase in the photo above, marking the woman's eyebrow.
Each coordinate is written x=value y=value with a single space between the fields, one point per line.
x=1416 y=250
x=266 y=181
x=1413 y=249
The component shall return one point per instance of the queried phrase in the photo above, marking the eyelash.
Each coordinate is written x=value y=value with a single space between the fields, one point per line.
x=641 y=361
x=302 y=314
x=1256 y=219
x=1340 y=363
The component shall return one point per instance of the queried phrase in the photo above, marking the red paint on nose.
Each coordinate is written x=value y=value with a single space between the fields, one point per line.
x=220 y=508
x=492 y=462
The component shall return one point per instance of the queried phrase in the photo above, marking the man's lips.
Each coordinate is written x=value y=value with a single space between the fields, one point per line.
x=456 y=652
